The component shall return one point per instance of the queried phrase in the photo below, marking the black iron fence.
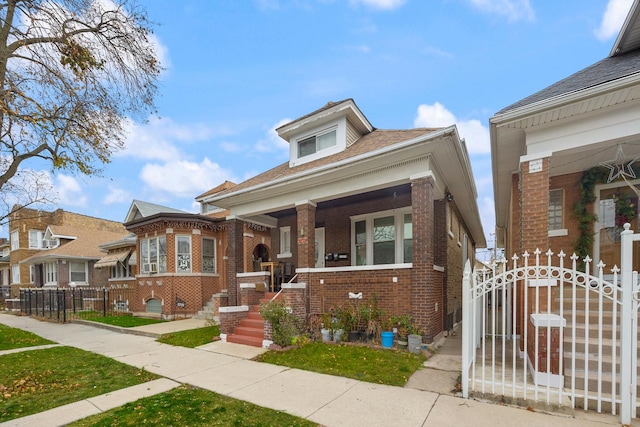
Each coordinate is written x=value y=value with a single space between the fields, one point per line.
x=65 y=304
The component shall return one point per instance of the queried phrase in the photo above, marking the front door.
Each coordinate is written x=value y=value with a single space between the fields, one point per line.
x=319 y=247
x=618 y=205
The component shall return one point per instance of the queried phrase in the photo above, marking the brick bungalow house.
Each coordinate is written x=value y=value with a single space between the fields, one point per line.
x=564 y=167
x=57 y=248
x=385 y=213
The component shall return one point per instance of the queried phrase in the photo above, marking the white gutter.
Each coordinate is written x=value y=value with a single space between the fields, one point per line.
x=561 y=100
x=440 y=133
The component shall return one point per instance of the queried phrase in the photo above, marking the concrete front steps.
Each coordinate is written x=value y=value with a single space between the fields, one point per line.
x=250 y=331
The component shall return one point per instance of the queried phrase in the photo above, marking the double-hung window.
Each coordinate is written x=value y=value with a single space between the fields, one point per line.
x=15 y=273
x=78 y=272
x=285 y=242
x=555 y=209
x=35 y=239
x=153 y=255
x=183 y=253
x=208 y=255
x=15 y=240
x=383 y=238
x=51 y=273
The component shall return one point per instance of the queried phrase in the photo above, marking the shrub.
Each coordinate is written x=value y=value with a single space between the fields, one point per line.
x=286 y=326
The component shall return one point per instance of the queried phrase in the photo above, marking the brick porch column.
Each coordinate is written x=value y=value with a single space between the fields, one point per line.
x=305 y=236
x=235 y=259
x=534 y=234
x=425 y=296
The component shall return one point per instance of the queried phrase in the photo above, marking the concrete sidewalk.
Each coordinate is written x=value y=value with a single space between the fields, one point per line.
x=225 y=368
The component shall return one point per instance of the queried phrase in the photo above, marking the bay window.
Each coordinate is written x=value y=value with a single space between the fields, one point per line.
x=183 y=253
x=382 y=238
x=208 y=255
x=153 y=255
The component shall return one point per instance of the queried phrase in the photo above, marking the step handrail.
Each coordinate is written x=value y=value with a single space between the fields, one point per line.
x=280 y=291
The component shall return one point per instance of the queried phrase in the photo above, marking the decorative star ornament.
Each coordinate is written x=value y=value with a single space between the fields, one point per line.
x=617 y=167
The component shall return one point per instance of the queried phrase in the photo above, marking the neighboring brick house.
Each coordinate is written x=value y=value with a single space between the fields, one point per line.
x=565 y=176
x=5 y=269
x=58 y=248
x=571 y=144
x=389 y=213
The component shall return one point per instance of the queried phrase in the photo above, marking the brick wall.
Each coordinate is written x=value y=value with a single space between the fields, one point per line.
x=393 y=296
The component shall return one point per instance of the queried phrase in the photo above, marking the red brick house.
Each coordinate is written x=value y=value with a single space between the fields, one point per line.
x=545 y=148
x=388 y=213
x=565 y=176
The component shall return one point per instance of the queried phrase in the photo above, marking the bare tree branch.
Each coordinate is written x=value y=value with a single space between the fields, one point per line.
x=71 y=73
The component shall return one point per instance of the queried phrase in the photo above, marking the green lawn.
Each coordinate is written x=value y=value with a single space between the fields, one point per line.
x=17 y=338
x=34 y=381
x=191 y=338
x=392 y=367
x=124 y=320
x=188 y=406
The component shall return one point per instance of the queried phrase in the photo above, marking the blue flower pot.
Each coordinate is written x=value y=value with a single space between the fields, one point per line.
x=387 y=339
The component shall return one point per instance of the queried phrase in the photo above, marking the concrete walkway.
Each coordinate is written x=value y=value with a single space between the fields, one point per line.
x=225 y=368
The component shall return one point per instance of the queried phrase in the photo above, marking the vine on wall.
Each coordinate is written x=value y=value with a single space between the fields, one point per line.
x=625 y=211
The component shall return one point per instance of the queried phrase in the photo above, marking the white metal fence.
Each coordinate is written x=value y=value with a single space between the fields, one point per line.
x=535 y=328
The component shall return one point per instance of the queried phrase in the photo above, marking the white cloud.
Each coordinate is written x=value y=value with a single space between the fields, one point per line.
x=272 y=142
x=613 y=18
x=380 y=4
x=513 y=10
x=117 y=195
x=231 y=147
x=156 y=140
x=473 y=131
x=183 y=178
x=69 y=191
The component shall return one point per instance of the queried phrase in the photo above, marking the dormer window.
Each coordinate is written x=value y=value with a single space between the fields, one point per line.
x=317 y=143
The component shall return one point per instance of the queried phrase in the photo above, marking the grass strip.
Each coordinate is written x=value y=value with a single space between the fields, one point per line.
x=34 y=381
x=123 y=320
x=391 y=367
x=11 y=338
x=191 y=338
x=189 y=406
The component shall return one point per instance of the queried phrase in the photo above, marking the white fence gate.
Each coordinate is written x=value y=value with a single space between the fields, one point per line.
x=543 y=331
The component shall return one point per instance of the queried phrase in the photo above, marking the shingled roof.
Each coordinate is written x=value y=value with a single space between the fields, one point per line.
x=606 y=70
x=372 y=141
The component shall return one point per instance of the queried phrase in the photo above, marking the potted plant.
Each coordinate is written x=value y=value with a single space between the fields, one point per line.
x=326 y=328
x=387 y=332
x=337 y=324
x=415 y=340
x=403 y=327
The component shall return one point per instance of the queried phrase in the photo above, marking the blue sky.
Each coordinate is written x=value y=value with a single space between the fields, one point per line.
x=237 y=69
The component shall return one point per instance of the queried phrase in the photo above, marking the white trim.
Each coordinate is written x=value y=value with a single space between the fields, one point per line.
x=438 y=268
x=369 y=218
x=294 y=285
x=253 y=274
x=559 y=232
x=426 y=174
x=535 y=156
x=234 y=309
x=355 y=268
x=543 y=320
x=351 y=160
x=544 y=378
x=247 y=285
